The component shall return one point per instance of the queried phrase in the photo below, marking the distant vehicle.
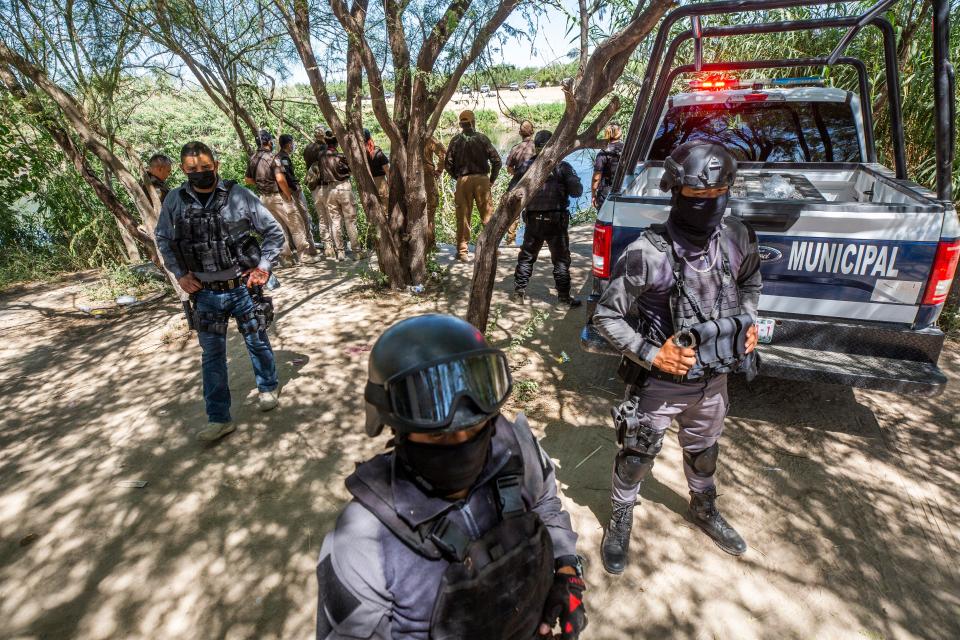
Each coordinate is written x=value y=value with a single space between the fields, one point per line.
x=465 y=90
x=484 y=88
x=530 y=84
x=388 y=95
x=334 y=98
x=514 y=86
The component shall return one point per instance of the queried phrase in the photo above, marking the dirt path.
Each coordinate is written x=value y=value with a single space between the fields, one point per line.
x=847 y=498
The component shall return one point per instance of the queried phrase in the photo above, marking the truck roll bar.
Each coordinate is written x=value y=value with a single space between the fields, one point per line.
x=646 y=118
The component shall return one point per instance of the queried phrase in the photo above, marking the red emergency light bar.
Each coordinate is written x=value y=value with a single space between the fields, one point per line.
x=716 y=84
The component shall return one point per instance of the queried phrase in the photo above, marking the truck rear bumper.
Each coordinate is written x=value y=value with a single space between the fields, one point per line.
x=883 y=359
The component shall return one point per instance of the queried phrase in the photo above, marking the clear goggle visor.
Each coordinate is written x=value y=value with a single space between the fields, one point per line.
x=429 y=396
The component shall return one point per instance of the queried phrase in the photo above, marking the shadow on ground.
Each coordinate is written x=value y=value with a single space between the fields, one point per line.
x=847 y=498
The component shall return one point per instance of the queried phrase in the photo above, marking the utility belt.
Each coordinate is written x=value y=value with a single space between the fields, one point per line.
x=636 y=375
x=554 y=215
x=327 y=183
x=223 y=285
x=254 y=321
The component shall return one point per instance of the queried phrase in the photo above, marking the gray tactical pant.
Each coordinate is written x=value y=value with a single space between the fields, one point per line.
x=699 y=408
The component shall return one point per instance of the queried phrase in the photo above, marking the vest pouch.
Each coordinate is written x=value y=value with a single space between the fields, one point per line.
x=499 y=590
x=247 y=250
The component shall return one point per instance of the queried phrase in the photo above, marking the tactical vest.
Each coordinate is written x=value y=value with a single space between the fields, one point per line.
x=612 y=161
x=712 y=322
x=552 y=196
x=204 y=242
x=494 y=586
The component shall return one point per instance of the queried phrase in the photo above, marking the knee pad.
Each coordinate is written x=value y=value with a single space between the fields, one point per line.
x=703 y=463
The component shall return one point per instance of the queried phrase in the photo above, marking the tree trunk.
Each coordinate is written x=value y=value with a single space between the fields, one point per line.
x=129 y=244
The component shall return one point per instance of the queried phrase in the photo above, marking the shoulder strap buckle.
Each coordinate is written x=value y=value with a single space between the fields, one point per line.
x=448 y=538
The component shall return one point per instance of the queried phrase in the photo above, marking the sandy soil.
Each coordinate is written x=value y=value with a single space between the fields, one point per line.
x=848 y=498
x=504 y=98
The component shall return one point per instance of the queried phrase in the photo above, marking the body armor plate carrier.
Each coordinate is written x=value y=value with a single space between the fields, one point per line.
x=712 y=326
x=205 y=243
x=495 y=586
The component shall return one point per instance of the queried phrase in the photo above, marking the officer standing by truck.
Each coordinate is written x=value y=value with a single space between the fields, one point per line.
x=475 y=164
x=605 y=166
x=457 y=533
x=299 y=201
x=265 y=172
x=547 y=218
x=203 y=236
x=680 y=308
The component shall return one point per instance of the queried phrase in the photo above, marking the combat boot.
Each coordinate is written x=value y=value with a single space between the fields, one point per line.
x=565 y=300
x=703 y=512
x=616 y=538
x=518 y=295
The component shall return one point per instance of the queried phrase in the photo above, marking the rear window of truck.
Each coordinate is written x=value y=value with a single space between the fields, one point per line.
x=765 y=131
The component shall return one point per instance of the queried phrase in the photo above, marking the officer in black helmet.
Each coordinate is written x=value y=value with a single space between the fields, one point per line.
x=680 y=307
x=457 y=533
x=547 y=218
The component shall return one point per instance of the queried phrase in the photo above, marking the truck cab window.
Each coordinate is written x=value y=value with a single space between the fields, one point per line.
x=765 y=131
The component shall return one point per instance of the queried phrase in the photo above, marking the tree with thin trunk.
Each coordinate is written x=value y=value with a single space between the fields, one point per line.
x=597 y=76
x=427 y=47
x=57 y=60
x=225 y=47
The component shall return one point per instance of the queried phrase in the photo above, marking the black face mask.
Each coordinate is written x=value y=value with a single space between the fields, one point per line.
x=447 y=468
x=202 y=179
x=698 y=218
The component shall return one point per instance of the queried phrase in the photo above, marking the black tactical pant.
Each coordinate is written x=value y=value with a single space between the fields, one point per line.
x=549 y=227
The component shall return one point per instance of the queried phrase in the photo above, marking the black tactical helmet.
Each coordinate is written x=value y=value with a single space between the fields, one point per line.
x=264 y=137
x=434 y=373
x=542 y=138
x=701 y=165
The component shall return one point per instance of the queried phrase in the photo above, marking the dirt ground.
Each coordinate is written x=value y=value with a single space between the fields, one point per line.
x=848 y=499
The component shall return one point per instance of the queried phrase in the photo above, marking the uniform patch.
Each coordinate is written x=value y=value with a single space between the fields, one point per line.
x=334 y=595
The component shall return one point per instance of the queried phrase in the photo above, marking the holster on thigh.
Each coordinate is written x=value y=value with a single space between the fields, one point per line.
x=210 y=322
x=640 y=441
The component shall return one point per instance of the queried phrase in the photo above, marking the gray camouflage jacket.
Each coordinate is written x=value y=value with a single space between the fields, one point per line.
x=642 y=280
x=373 y=586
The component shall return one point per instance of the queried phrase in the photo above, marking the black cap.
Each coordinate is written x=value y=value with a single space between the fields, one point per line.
x=542 y=138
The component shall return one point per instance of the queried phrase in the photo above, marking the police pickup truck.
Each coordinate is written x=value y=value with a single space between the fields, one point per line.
x=856 y=263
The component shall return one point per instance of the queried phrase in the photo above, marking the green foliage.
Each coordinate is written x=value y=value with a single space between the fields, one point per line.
x=119 y=279
x=528 y=330
x=525 y=390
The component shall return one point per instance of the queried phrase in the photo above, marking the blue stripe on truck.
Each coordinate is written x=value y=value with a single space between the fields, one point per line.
x=826 y=268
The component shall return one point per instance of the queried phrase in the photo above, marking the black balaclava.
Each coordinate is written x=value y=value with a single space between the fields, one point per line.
x=697 y=218
x=202 y=179
x=445 y=469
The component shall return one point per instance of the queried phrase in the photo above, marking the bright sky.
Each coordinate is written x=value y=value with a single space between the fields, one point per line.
x=551 y=43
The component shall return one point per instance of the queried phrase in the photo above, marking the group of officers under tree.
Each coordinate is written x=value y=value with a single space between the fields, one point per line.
x=457 y=531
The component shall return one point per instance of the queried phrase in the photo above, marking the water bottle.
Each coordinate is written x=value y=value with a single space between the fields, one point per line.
x=272 y=283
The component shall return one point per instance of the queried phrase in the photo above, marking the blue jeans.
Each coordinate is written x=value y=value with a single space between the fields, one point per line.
x=216 y=391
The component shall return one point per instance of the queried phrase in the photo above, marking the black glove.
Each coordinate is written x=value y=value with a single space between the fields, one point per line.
x=565 y=603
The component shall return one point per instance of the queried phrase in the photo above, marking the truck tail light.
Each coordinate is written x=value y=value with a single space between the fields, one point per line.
x=941 y=275
x=602 y=243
